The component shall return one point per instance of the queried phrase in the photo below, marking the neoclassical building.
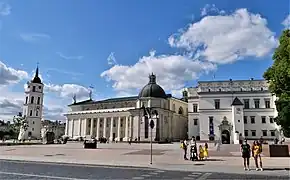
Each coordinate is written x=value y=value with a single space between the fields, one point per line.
x=122 y=118
x=232 y=110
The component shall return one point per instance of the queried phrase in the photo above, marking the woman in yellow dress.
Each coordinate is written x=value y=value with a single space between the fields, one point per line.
x=201 y=152
x=256 y=152
x=205 y=151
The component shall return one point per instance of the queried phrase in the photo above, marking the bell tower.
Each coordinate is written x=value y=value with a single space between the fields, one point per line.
x=33 y=105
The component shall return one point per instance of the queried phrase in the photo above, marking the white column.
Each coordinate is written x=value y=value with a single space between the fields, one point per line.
x=126 y=138
x=111 y=129
x=66 y=127
x=105 y=128
x=131 y=127
x=119 y=129
x=80 y=127
x=98 y=129
x=92 y=127
x=73 y=128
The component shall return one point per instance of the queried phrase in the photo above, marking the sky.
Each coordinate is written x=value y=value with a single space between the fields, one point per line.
x=113 y=46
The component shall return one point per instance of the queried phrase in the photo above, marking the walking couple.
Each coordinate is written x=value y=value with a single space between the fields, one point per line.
x=256 y=151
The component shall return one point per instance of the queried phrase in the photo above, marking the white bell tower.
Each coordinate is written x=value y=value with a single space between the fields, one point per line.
x=32 y=108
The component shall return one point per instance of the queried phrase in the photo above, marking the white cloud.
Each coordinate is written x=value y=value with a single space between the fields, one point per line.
x=111 y=59
x=68 y=90
x=227 y=38
x=210 y=8
x=9 y=75
x=286 y=22
x=69 y=57
x=34 y=37
x=5 y=9
x=172 y=71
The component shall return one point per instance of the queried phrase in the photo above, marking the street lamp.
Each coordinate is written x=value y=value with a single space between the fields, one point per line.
x=151 y=114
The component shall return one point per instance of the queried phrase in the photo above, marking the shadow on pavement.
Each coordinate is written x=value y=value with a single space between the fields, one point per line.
x=276 y=169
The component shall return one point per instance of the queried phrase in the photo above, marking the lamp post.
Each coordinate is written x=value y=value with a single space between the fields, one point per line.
x=149 y=113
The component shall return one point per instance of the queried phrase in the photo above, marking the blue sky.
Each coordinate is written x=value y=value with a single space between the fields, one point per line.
x=180 y=41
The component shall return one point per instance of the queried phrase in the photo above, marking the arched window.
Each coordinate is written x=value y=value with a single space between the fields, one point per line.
x=180 y=111
x=36 y=114
x=32 y=99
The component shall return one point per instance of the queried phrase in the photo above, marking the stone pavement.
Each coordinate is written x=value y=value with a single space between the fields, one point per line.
x=165 y=156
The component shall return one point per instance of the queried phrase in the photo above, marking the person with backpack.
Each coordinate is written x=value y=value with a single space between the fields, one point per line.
x=246 y=153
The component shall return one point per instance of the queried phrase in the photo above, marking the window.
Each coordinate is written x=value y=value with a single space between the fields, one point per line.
x=32 y=122
x=252 y=119
x=245 y=120
x=263 y=120
x=101 y=125
x=36 y=113
x=246 y=104
x=32 y=129
x=30 y=113
x=33 y=88
x=217 y=104
x=267 y=103
x=253 y=132
x=26 y=100
x=38 y=100
x=32 y=99
x=246 y=133
x=194 y=107
x=208 y=90
x=271 y=119
x=173 y=107
x=39 y=87
x=195 y=122
x=264 y=132
x=257 y=103
x=273 y=133
x=114 y=124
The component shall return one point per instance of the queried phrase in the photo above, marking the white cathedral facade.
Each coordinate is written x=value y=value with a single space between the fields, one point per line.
x=231 y=111
x=121 y=119
x=32 y=108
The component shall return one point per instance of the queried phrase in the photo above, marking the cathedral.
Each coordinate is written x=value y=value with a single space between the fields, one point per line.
x=121 y=119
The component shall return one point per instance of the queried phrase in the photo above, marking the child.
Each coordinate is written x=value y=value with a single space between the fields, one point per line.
x=201 y=152
x=205 y=151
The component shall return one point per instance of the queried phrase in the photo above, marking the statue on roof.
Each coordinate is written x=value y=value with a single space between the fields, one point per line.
x=74 y=98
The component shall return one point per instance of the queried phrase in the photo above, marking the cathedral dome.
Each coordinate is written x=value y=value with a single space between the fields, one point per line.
x=152 y=89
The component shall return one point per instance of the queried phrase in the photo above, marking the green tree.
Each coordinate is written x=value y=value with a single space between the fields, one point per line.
x=278 y=76
x=19 y=122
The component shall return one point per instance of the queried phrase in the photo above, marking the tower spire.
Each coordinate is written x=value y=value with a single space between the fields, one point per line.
x=36 y=72
x=36 y=78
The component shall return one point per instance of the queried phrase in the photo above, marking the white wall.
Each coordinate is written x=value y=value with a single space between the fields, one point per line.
x=206 y=108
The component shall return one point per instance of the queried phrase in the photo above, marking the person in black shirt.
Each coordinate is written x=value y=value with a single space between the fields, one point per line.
x=246 y=150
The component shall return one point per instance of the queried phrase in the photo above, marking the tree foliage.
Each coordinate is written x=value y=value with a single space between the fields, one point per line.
x=20 y=122
x=278 y=76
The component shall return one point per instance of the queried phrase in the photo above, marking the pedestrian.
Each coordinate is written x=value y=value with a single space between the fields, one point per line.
x=246 y=150
x=201 y=152
x=184 y=146
x=205 y=150
x=256 y=152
